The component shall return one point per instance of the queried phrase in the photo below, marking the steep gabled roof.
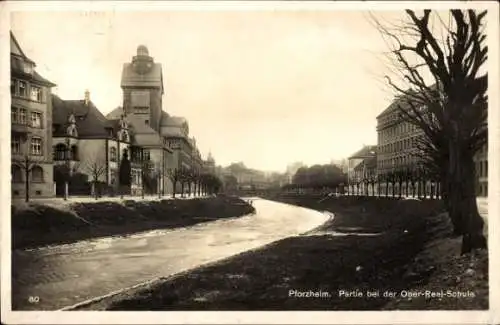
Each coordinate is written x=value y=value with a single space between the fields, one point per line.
x=90 y=122
x=174 y=121
x=144 y=135
x=16 y=49
x=16 y=64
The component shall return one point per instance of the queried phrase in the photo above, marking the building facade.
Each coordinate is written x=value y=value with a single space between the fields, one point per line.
x=88 y=144
x=52 y=138
x=164 y=137
x=31 y=127
x=361 y=167
x=397 y=151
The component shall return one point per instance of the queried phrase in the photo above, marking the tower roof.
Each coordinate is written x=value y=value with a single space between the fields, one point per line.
x=142 y=50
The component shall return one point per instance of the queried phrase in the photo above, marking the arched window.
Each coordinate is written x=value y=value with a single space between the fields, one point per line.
x=37 y=174
x=16 y=174
x=60 y=152
x=112 y=154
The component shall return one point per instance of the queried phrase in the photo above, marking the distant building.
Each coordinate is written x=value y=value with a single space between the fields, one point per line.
x=209 y=164
x=31 y=127
x=362 y=165
x=292 y=169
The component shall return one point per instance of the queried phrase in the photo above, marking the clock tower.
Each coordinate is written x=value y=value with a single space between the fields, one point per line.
x=142 y=85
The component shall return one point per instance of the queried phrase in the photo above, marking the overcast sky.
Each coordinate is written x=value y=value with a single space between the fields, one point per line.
x=265 y=88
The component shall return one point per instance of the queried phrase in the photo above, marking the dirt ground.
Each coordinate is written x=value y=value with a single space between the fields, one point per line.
x=372 y=255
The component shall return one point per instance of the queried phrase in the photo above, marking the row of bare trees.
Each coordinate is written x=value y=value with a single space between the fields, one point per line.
x=438 y=61
x=189 y=182
x=404 y=181
x=193 y=182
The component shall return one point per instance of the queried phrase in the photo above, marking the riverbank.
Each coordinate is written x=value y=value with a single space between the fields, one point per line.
x=368 y=247
x=38 y=224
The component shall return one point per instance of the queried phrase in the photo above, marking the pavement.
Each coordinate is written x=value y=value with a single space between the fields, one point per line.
x=64 y=275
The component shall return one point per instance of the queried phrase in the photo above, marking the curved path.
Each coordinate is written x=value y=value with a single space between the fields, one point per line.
x=68 y=274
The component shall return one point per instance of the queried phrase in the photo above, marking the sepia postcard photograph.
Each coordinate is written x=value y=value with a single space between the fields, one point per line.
x=284 y=162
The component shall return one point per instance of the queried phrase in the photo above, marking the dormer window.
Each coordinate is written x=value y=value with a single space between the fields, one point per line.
x=123 y=136
x=28 y=68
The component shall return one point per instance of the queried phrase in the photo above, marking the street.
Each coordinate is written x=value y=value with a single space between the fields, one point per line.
x=56 y=277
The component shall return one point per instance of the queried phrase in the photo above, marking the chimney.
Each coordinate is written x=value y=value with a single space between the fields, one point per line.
x=87 y=97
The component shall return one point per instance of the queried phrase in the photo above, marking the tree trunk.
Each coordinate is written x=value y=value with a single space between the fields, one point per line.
x=400 y=188
x=159 y=186
x=386 y=188
x=182 y=189
x=462 y=197
x=27 y=182
x=174 y=189
x=66 y=190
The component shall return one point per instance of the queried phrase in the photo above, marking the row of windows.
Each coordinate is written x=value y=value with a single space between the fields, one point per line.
x=482 y=168
x=24 y=89
x=35 y=145
x=61 y=152
x=409 y=143
x=396 y=130
x=136 y=155
x=19 y=116
x=397 y=161
x=35 y=174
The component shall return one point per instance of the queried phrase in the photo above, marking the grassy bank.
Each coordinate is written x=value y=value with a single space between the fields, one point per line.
x=369 y=246
x=38 y=224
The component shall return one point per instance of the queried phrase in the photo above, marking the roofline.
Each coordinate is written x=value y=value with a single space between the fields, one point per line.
x=31 y=78
x=20 y=48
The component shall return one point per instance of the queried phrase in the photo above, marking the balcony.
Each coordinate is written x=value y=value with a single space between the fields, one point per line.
x=20 y=128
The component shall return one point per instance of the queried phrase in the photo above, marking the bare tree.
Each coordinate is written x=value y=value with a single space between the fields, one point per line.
x=175 y=175
x=95 y=166
x=451 y=110
x=27 y=165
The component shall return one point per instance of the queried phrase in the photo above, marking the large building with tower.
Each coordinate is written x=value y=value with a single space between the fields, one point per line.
x=164 y=138
x=52 y=134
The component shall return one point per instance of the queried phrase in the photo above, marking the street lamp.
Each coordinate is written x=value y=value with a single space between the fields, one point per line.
x=68 y=168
